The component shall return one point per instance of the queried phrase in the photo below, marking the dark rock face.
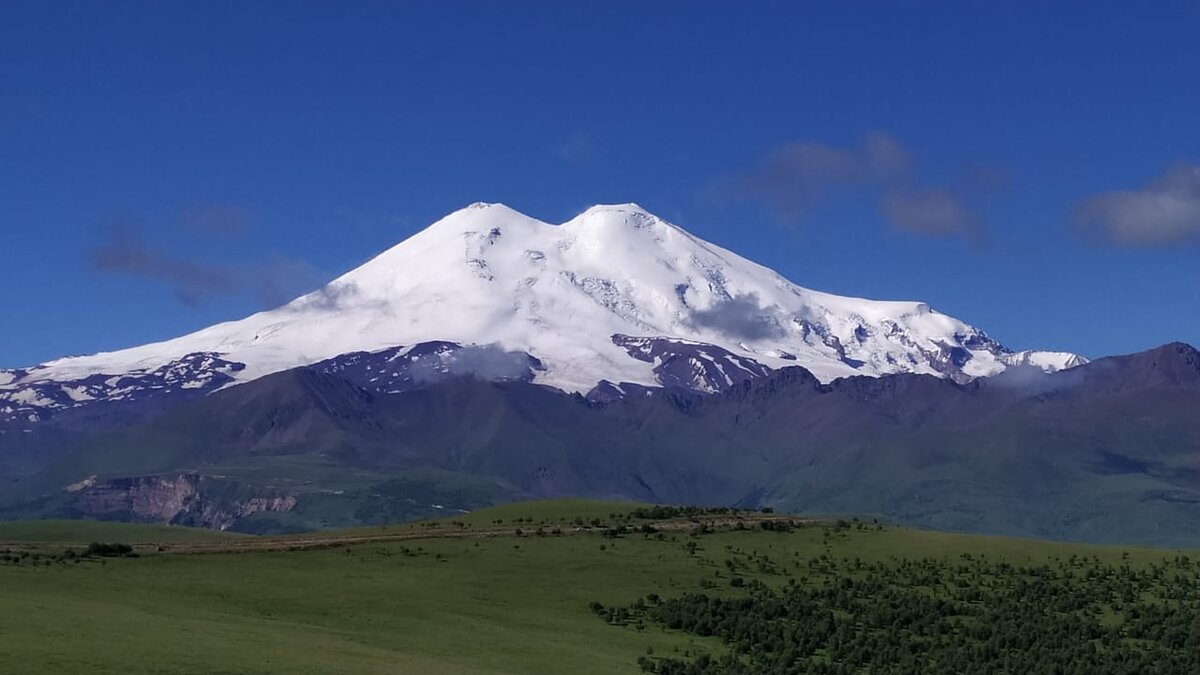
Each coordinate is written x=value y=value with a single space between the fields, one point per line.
x=178 y=499
x=126 y=397
x=406 y=368
x=694 y=366
x=817 y=333
x=1175 y=364
x=607 y=392
x=1104 y=452
x=190 y=376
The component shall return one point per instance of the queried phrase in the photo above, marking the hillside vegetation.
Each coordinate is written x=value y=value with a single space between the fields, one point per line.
x=582 y=587
x=1103 y=453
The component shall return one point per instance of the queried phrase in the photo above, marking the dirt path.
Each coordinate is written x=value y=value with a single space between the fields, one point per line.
x=417 y=532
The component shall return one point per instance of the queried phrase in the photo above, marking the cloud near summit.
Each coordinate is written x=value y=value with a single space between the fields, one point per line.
x=741 y=316
x=122 y=249
x=796 y=177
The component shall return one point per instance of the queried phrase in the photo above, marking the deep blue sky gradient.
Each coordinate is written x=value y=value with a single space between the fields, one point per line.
x=336 y=130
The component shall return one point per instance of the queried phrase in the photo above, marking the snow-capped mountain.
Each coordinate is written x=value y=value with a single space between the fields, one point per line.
x=1047 y=361
x=613 y=300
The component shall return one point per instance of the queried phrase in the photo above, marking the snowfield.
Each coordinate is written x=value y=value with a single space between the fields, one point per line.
x=488 y=275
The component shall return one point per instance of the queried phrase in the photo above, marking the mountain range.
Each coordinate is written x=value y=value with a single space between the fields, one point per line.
x=613 y=297
x=493 y=357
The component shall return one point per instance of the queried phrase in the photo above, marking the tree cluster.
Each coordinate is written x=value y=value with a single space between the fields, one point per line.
x=971 y=615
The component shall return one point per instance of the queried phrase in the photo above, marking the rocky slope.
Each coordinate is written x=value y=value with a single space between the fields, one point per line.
x=1104 y=452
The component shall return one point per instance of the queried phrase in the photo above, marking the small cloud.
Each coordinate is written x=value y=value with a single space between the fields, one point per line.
x=796 y=175
x=741 y=316
x=228 y=221
x=576 y=148
x=123 y=251
x=1165 y=212
x=982 y=181
x=330 y=297
x=936 y=212
x=1027 y=378
x=885 y=157
x=280 y=279
x=484 y=362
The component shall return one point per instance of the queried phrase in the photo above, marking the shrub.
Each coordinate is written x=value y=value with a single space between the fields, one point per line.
x=103 y=550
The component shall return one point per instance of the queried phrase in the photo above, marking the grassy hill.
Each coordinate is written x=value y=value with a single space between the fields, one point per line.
x=1104 y=453
x=85 y=531
x=462 y=595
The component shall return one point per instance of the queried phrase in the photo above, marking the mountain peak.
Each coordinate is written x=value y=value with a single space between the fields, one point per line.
x=1173 y=364
x=486 y=216
x=1180 y=347
x=478 y=217
x=628 y=216
x=483 y=210
x=1171 y=351
x=627 y=208
x=485 y=206
x=488 y=274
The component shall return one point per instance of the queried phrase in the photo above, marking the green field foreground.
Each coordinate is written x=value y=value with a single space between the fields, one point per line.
x=461 y=595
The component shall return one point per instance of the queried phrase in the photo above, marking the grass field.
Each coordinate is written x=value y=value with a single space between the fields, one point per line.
x=468 y=596
x=85 y=531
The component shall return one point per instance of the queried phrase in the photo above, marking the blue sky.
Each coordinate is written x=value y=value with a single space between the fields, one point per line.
x=1031 y=168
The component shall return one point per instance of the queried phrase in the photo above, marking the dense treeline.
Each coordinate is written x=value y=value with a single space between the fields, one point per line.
x=665 y=512
x=970 y=615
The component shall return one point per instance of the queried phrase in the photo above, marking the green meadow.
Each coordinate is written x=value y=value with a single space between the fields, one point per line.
x=466 y=594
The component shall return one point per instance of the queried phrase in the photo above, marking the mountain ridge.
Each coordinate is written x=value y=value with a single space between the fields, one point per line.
x=570 y=297
x=1098 y=456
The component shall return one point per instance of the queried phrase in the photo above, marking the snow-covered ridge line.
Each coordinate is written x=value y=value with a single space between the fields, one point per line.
x=488 y=275
x=28 y=398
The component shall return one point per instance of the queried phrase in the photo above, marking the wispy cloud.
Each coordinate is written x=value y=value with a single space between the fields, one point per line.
x=796 y=177
x=885 y=157
x=229 y=221
x=122 y=248
x=1164 y=212
x=336 y=296
x=576 y=148
x=485 y=362
x=742 y=317
x=279 y=279
x=935 y=211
